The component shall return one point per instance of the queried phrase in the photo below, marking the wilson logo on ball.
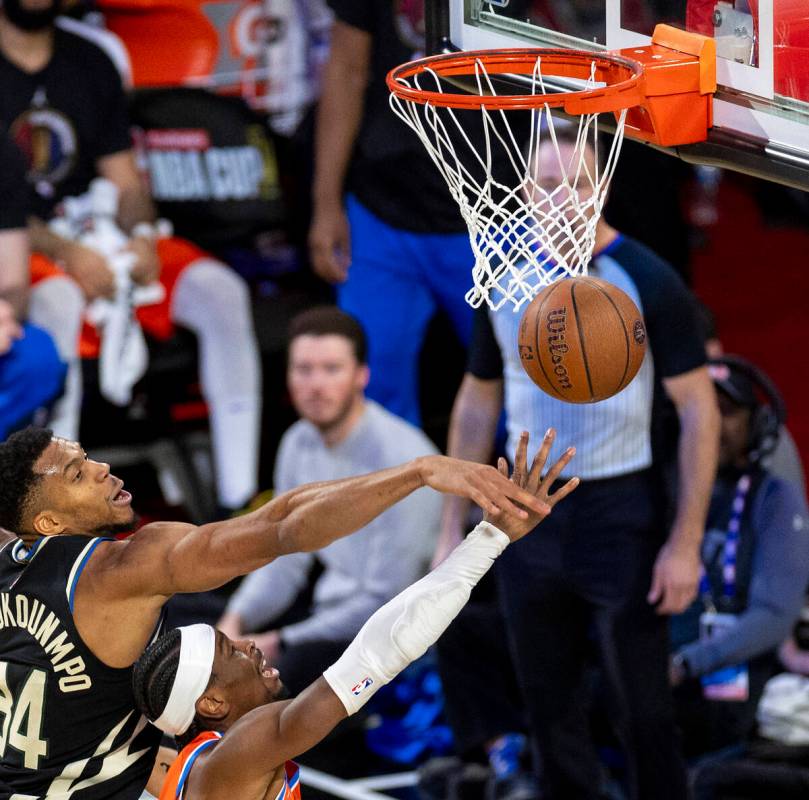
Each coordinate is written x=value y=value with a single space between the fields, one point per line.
x=557 y=328
x=639 y=332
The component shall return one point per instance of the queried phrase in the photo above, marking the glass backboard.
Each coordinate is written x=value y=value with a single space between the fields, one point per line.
x=761 y=108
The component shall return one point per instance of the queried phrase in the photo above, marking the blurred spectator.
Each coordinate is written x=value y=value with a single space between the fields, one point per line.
x=64 y=102
x=295 y=48
x=756 y=566
x=340 y=434
x=603 y=564
x=784 y=461
x=395 y=242
x=31 y=374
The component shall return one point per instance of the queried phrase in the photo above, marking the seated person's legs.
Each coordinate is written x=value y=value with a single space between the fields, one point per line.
x=214 y=303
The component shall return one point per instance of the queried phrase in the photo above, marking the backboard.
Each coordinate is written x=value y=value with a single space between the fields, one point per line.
x=761 y=107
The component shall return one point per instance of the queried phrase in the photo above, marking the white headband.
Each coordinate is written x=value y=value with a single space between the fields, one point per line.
x=197 y=646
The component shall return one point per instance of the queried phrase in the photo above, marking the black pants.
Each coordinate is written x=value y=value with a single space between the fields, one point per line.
x=477 y=675
x=588 y=568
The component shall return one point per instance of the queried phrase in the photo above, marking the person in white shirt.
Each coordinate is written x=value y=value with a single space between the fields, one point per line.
x=340 y=434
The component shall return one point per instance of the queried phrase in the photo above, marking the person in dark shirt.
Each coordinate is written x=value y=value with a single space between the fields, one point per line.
x=65 y=107
x=610 y=567
x=385 y=227
x=755 y=557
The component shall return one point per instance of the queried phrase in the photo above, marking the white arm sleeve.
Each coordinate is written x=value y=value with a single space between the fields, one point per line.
x=403 y=629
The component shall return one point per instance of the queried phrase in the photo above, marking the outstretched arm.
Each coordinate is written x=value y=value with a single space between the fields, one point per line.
x=166 y=558
x=397 y=634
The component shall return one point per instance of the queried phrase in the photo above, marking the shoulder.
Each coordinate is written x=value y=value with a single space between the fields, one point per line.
x=775 y=490
x=79 y=50
x=106 y=42
x=149 y=542
x=402 y=439
x=653 y=275
x=299 y=434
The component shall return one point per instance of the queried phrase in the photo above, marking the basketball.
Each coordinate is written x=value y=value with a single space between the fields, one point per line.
x=582 y=340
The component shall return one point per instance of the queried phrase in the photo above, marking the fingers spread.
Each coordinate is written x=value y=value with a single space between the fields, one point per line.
x=556 y=469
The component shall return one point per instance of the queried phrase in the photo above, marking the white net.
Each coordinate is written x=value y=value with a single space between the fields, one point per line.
x=531 y=194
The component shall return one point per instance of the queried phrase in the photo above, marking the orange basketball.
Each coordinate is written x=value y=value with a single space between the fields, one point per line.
x=582 y=340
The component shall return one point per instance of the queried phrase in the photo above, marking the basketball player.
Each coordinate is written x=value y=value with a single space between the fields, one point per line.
x=77 y=608
x=219 y=696
x=606 y=565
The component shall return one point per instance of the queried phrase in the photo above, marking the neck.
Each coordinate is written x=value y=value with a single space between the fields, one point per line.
x=605 y=236
x=29 y=50
x=338 y=431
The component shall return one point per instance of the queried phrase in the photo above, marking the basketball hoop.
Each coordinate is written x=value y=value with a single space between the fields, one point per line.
x=525 y=233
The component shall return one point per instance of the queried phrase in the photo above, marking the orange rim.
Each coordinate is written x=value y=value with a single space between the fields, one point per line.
x=621 y=76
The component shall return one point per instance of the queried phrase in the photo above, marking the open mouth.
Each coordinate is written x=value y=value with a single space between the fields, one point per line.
x=121 y=497
x=264 y=668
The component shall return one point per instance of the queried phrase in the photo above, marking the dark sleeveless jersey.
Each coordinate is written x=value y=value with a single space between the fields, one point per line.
x=68 y=724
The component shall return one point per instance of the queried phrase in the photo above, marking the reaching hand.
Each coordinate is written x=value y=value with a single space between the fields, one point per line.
x=515 y=527
x=330 y=244
x=89 y=269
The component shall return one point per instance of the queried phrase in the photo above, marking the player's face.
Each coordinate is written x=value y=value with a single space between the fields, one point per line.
x=324 y=377
x=243 y=674
x=734 y=433
x=78 y=495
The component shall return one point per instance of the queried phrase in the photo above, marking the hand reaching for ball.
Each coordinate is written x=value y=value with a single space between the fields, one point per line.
x=532 y=480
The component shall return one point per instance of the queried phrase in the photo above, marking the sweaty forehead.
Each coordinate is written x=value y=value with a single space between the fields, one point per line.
x=57 y=455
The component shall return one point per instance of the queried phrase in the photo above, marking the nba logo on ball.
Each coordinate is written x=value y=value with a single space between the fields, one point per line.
x=582 y=340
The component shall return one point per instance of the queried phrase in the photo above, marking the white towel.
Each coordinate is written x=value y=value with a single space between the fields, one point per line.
x=90 y=220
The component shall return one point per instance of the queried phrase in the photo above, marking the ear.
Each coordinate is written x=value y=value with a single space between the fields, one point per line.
x=363 y=376
x=213 y=705
x=48 y=523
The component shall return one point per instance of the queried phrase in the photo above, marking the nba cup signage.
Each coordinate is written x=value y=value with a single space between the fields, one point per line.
x=183 y=164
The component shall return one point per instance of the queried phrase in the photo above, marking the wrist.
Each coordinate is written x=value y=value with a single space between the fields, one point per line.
x=327 y=202
x=423 y=466
x=144 y=230
x=685 y=541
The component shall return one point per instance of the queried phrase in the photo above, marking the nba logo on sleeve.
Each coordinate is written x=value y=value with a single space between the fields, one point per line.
x=362 y=685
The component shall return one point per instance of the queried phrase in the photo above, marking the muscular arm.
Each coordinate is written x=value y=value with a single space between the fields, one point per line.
x=132 y=579
x=472 y=429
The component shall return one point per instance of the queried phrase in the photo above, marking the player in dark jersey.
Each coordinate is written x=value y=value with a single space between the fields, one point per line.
x=77 y=608
x=218 y=696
